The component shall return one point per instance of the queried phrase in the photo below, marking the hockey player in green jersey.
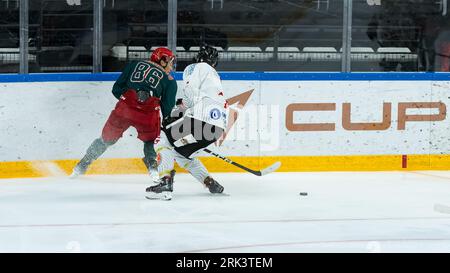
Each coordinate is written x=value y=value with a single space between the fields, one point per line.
x=144 y=89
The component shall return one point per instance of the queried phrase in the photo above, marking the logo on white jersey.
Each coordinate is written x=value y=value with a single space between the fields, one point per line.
x=190 y=69
x=215 y=114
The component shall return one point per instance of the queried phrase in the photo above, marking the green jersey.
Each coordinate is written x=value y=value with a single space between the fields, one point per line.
x=149 y=77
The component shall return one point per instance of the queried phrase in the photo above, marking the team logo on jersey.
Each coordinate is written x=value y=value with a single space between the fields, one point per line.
x=215 y=114
x=190 y=69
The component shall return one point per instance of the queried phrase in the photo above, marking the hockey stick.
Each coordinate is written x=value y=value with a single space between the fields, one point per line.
x=265 y=171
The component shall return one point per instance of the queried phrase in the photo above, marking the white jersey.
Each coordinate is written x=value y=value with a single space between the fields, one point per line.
x=203 y=94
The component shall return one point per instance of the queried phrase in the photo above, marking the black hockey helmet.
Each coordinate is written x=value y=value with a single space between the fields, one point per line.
x=207 y=54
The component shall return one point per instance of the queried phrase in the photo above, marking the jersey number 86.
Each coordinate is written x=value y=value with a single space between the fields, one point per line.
x=145 y=71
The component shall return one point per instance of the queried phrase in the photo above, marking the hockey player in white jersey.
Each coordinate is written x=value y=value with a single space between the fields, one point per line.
x=198 y=120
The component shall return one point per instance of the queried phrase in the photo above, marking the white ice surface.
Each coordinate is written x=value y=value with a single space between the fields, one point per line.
x=343 y=212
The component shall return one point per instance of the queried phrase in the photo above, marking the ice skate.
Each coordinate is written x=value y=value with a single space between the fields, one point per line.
x=213 y=185
x=80 y=169
x=162 y=191
x=157 y=181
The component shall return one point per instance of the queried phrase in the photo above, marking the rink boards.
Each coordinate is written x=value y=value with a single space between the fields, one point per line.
x=308 y=121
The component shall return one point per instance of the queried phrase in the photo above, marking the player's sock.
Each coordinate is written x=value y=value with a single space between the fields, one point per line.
x=213 y=185
x=97 y=148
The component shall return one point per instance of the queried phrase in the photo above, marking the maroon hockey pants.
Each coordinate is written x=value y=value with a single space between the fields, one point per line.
x=144 y=117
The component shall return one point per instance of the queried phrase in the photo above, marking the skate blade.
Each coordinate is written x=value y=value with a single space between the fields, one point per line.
x=166 y=196
x=223 y=194
x=74 y=175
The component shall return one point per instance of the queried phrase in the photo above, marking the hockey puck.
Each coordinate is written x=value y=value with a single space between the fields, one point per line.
x=303 y=193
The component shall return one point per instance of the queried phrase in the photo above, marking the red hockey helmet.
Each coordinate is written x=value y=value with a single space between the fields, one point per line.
x=162 y=53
